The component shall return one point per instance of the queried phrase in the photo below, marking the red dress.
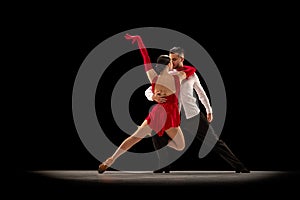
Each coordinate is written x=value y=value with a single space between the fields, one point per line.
x=165 y=115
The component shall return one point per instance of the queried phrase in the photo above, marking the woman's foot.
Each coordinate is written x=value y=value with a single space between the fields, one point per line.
x=103 y=167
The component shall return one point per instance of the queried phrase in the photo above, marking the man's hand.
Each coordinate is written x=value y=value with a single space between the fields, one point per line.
x=209 y=117
x=156 y=97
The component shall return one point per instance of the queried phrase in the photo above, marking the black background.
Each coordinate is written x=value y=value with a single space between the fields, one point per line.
x=253 y=56
x=254 y=50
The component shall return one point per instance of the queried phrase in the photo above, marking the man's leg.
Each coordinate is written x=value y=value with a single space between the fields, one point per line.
x=220 y=147
x=163 y=156
x=223 y=150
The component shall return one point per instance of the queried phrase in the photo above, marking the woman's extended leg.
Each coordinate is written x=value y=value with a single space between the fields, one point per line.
x=137 y=136
x=178 y=141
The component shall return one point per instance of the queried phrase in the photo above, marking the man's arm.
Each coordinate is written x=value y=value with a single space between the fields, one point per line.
x=203 y=97
x=154 y=97
x=149 y=93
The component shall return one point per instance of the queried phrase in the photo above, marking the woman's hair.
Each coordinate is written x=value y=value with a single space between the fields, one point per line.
x=162 y=62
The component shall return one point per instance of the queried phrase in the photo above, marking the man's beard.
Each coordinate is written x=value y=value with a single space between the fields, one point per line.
x=175 y=67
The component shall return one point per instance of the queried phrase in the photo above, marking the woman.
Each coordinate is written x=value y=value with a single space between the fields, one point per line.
x=164 y=117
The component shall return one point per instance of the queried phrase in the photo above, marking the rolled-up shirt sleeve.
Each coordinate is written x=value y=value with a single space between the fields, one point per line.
x=149 y=93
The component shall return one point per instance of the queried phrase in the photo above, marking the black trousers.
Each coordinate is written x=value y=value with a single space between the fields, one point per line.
x=219 y=147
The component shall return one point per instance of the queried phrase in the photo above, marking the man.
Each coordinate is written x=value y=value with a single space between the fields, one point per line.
x=192 y=113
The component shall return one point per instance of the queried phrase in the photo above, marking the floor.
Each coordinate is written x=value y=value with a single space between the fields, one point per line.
x=131 y=183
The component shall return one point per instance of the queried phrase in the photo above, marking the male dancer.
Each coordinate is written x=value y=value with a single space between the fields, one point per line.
x=192 y=114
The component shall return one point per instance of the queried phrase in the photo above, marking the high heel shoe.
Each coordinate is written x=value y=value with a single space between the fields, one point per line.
x=102 y=168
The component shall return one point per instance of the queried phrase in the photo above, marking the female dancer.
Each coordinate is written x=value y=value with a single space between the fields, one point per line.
x=164 y=117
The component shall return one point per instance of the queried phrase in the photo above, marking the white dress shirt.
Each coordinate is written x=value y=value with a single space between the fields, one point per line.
x=186 y=97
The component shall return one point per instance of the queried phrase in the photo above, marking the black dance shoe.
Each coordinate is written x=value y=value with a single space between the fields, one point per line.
x=162 y=170
x=158 y=171
x=243 y=170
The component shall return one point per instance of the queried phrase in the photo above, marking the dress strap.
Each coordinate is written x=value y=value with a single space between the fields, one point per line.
x=177 y=85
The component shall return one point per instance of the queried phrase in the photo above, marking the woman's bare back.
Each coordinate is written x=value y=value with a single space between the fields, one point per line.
x=165 y=85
